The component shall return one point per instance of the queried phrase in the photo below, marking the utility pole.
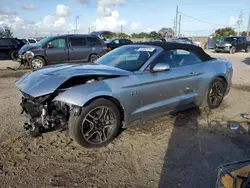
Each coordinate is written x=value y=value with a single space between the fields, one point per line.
x=239 y=22
x=89 y=30
x=77 y=17
x=179 y=26
x=176 y=21
x=121 y=28
x=248 y=27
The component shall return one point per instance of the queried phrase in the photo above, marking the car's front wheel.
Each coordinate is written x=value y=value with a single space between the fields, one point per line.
x=37 y=62
x=215 y=93
x=96 y=125
x=232 y=50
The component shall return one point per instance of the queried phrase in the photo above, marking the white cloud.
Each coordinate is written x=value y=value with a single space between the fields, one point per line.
x=110 y=2
x=111 y=23
x=135 y=25
x=82 y=1
x=150 y=29
x=104 y=11
x=62 y=10
x=28 y=7
x=7 y=12
x=232 y=20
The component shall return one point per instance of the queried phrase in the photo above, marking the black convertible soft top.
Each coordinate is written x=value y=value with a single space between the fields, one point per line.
x=189 y=47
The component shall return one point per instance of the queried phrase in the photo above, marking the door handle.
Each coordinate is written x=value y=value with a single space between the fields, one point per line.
x=192 y=73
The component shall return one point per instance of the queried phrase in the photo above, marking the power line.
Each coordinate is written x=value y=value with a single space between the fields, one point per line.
x=202 y=20
x=221 y=13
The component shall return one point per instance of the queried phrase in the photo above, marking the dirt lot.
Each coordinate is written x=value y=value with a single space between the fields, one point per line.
x=173 y=151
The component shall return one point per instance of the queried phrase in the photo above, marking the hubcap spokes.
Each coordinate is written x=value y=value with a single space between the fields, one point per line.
x=98 y=125
x=216 y=93
x=37 y=63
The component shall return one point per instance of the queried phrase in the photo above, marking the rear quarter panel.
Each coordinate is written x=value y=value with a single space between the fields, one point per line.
x=213 y=69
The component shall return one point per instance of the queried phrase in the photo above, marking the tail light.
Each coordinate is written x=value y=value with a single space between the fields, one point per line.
x=105 y=47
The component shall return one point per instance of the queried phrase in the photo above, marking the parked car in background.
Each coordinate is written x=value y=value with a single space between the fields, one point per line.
x=29 y=41
x=232 y=45
x=9 y=48
x=157 y=40
x=183 y=40
x=75 y=48
x=129 y=84
x=117 y=42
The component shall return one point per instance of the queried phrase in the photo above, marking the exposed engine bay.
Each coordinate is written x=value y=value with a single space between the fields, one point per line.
x=44 y=114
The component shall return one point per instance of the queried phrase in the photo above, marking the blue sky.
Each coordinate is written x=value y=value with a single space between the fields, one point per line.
x=33 y=17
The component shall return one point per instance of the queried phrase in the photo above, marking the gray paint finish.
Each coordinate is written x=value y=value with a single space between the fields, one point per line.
x=141 y=93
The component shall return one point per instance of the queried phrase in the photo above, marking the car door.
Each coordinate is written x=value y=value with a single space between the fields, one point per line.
x=57 y=51
x=175 y=89
x=6 y=45
x=79 y=50
x=242 y=44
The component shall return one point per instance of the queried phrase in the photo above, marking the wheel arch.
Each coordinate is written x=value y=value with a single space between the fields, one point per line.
x=45 y=60
x=91 y=55
x=112 y=99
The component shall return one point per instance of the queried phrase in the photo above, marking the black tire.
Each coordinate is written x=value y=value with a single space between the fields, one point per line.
x=39 y=59
x=14 y=55
x=232 y=50
x=92 y=58
x=207 y=100
x=247 y=49
x=76 y=126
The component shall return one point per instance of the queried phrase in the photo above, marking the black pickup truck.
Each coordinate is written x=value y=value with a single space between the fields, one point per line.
x=233 y=44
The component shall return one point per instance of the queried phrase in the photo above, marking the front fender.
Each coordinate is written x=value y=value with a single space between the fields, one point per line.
x=81 y=94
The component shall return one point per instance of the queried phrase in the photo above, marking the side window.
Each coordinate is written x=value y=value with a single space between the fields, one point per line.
x=122 y=41
x=58 y=43
x=128 y=41
x=184 y=58
x=78 y=41
x=116 y=41
x=176 y=58
x=93 y=41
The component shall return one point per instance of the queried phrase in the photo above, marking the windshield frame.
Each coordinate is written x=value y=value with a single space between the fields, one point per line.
x=145 y=64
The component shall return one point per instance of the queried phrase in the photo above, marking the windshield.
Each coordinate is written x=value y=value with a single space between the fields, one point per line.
x=128 y=58
x=42 y=42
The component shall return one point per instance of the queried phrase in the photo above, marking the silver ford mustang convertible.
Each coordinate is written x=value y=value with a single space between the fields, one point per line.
x=128 y=84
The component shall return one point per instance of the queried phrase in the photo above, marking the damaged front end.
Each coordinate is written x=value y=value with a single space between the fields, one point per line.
x=42 y=114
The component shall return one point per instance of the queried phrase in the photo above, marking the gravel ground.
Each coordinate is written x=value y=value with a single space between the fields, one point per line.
x=178 y=150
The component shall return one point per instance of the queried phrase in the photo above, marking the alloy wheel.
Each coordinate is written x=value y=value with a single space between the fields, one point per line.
x=98 y=125
x=216 y=93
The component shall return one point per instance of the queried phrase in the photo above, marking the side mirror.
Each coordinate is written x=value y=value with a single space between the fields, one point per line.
x=160 y=67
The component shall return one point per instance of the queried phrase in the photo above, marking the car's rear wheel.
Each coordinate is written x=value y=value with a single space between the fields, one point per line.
x=97 y=125
x=215 y=93
x=37 y=62
x=232 y=50
x=14 y=55
x=92 y=58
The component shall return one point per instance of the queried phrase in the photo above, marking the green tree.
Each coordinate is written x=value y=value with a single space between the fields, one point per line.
x=227 y=31
x=244 y=33
x=123 y=35
x=153 y=34
x=6 y=32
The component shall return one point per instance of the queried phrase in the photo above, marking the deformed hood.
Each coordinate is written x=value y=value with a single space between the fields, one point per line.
x=46 y=80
